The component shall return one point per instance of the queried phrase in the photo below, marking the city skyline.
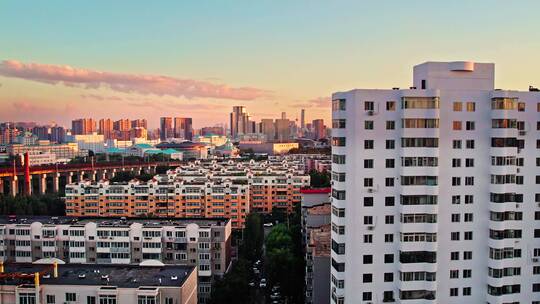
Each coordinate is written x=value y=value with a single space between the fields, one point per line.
x=105 y=68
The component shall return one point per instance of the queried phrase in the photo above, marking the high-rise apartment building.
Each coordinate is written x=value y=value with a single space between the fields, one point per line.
x=166 y=129
x=106 y=128
x=83 y=126
x=183 y=128
x=58 y=134
x=318 y=129
x=283 y=130
x=139 y=123
x=436 y=191
x=268 y=128
x=122 y=125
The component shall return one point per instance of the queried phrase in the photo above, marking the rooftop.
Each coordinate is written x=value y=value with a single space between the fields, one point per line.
x=112 y=221
x=122 y=276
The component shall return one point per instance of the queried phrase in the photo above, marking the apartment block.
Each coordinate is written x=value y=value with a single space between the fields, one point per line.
x=202 y=243
x=436 y=190
x=208 y=189
x=103 y=284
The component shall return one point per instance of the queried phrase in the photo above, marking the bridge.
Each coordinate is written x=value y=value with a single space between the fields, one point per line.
x=43 y=179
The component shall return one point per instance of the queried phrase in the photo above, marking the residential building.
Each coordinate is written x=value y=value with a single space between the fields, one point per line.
x=62 y=151
x=103 y=284
x=89 y=142
x=318 y=129
x=239 y=121
x=166 y=129
x=283 y=131
x=106 y=128
x=213 y=131
x=202 y=243
x=435 y=193
x=58 y=134
x=268 y=128
x=139 y=123
x=183 y=128
x=316 y=239
x=223 y=188
x=268 y=148
x=83 y=126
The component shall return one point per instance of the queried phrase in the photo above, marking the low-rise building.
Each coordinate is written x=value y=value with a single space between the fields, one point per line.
x=62 y=151
x=269 y=148
x=92 y=284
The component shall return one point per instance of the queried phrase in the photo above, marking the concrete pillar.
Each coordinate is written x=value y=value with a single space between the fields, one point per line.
x=14 y=185
x=42 y=183
x=113 y=173
x=1 y=186
x=56 y=182
x=80 y=176
x=69 y=178
x=94 y=175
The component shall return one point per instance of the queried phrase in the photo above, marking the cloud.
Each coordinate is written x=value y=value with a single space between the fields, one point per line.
x=319 y=102
x=100 y=97
x=126 y=83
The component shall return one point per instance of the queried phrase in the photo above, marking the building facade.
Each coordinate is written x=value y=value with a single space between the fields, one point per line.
x=436 y=191
x=203 y=243
x=209 y=189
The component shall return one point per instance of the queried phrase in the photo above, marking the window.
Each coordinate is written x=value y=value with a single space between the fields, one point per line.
x=368 y=182
x=366 y=296
x=339 y=123
x=469 y=162
x=469 y=126
x=456 y=125
x=367 y=259
x=456 y=162
x=389 y=219
x=467 y=255
x=456 y=199
x=369 y=105
x=456 y=181
x=390 y=125
x=454 y=292
x=469 y=199
x=368 y=144
x=50 y=299
x=455 y=217
x=367 y=278
x=71 y=297
x=471 y=106
x=389 y=277
x=389 y=201
x=466 y=291
x=467 y=273
x=468 y=235
x=454 y=255
x=456 y=144
x=389 y=182
x=454 y=274
x=369 y=124
x=469 y=180
x=388 y=258
x=338 y=105
x=521 y=106
x=457 y=106
x=390 y=106
x=368 y=163
x=420 y=103
x=469 y=144
x=338 y=141
x=454 y=236
x=368 y=238
x=390 y=163
x=338 y=159
x=368 y=220
x=368 y=201
x=468 y=217
x=146 y=299
x=27 y=298
x=390 y=144
x=389 y=238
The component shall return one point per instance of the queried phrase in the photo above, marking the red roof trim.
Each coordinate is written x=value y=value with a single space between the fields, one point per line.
x=315 y=190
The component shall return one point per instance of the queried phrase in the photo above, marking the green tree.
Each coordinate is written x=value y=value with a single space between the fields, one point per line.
x=253 y=238
x=233 y=287
x=319 y=179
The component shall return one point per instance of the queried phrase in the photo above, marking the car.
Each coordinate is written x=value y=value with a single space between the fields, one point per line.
x=268 y=225
x=252 y=284
x=256 y=270
x=275 y=296
x=262 y=284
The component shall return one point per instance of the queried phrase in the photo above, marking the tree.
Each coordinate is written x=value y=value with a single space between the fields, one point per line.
x=319 y=179
x=233 y=287
x=253 y=237
x=47 y=204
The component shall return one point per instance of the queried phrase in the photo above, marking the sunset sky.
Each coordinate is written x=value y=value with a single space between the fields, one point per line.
x=61 y=60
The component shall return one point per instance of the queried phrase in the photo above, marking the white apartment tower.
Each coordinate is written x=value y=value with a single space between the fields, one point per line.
x=436 y=190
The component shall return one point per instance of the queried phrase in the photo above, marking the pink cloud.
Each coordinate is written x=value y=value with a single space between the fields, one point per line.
x=126 y=83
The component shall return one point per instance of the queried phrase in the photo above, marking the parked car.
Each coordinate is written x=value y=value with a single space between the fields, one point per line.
x=268 y=225
x=262 y=284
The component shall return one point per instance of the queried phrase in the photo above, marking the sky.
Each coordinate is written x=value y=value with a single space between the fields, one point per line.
x=61 y=60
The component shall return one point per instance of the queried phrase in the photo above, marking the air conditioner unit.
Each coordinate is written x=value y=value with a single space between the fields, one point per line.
x=535 y=260
x=370 y=190
x=370 y=112
x=370 y=227
x=517 y=205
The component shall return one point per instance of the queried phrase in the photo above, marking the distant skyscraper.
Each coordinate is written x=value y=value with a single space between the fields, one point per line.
x=268 y=128
x=212 y=131
x=83 y=126
x=283 y=130
x=318 y=129
x=105 y=128
x=166 y=128
x=283 y=115
x=303 y=119
x=122 y=125
x=183 y=128
x=239 y=120
x=139 y=123
x=42 y=132
x=58 y=134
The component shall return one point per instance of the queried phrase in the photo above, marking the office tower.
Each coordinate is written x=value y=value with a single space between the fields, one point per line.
x=183 y=128
x=166 y=128
x=83 y=126
x=318 y=129
x=106 y=128
x=268 y=128
x=435 y=190
x=139 y=123
x=283 y=132
x=138 y=132
x=283 y=115
x=58 y=134
x=8 y=133
x=42 y=132
x=239 y=119
x=303 y=119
